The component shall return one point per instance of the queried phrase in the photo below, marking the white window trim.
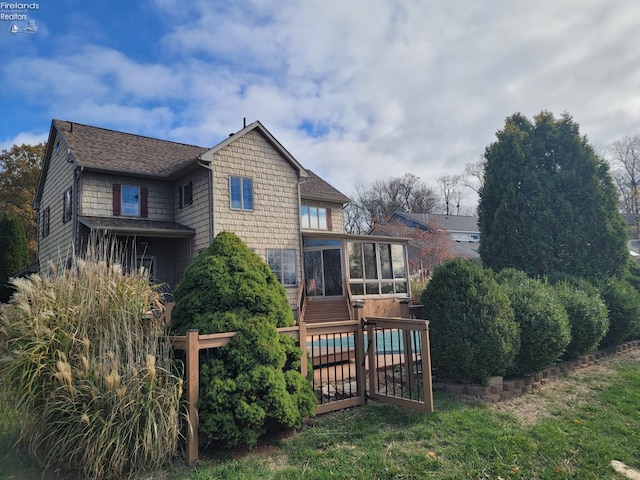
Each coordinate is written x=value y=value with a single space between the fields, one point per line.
x=242 y=207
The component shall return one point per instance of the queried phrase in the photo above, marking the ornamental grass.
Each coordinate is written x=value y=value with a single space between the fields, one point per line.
x=93 y=381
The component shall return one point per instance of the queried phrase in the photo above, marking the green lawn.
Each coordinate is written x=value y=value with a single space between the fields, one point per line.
x=571 y=428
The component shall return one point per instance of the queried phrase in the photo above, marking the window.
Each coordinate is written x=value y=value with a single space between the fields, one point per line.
x=241 y=193
x=185 y=194
x=130 y=201
x=46 y=213
x=377 y=268
x=316 y=218
x=283 y=265
x=67 y=205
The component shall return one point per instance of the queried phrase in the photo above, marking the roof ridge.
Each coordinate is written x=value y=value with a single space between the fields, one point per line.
x=129 y=133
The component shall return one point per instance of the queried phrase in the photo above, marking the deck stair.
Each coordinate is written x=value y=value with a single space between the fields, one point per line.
x=326 y=310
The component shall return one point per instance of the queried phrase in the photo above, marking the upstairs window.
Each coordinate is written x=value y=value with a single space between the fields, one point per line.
x=67 y=205
x=130 y=201
x=185 y=194
x=316 y=218
x=241 y=193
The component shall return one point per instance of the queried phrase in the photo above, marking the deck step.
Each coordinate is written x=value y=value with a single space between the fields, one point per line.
x=326 y=310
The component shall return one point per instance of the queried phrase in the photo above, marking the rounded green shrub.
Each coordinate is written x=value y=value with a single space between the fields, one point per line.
x=623 y=304
x=253 y=385
x=588 y=317
x=543 y=321
x=472 y=331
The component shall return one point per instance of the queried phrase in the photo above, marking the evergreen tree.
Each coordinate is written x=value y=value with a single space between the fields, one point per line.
x=19 y=173
x=14 y=254
x=548 y=203
x=254 y=384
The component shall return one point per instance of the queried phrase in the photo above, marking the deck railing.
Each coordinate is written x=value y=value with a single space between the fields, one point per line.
x=340 y=362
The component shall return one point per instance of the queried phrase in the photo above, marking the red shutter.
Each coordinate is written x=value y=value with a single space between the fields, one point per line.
x=180 y=197
x=329 y=220
x=116 y=199
x=144 y=209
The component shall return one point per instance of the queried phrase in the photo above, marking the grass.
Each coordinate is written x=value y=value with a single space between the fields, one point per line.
x=569 y=429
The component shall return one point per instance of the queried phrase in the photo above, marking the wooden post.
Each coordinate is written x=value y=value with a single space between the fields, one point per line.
x=361 y=379
x=372 y=355
x=426 y=369
x=302 y=336
x=192 y=387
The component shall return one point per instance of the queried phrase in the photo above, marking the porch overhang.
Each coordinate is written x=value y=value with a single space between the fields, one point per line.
x=137 y=227
x=353 y=237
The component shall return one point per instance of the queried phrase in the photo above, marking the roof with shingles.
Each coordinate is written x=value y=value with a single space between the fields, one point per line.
x=451 y=223
x=137 y=225
x=317 y=189
x=111 y=151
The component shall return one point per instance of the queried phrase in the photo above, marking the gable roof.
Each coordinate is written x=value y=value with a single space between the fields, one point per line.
x=315 y=188
x=207 y=157
x=109 y=151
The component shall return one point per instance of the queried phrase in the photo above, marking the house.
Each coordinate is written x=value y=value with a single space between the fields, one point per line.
x=435 y=237
x=163 y=202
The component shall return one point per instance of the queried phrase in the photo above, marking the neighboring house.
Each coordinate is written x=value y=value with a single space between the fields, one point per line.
x=462 y=231
x=164 y=202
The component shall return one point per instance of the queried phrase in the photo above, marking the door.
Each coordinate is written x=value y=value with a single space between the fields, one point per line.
x=323 y=272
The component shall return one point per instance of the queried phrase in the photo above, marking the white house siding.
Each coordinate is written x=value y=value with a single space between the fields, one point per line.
x=275 y=219
x=57 y=247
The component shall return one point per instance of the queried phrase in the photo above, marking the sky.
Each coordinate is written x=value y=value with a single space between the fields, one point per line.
x=357 y=90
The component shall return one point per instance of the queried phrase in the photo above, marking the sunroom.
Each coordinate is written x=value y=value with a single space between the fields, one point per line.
x=363 y=271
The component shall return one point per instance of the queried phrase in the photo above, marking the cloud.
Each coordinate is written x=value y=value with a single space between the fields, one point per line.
x=24 y=138
x=357 y=90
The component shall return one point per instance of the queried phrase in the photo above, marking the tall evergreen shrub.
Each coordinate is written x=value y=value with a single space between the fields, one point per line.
x=254 y=384
x=14 y=253
x=472 y=330
x=548 y=202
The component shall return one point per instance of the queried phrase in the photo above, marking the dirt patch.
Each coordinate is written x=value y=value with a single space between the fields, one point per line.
x=573 y=390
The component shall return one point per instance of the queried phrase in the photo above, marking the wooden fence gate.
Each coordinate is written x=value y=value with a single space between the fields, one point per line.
x=383 y=358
